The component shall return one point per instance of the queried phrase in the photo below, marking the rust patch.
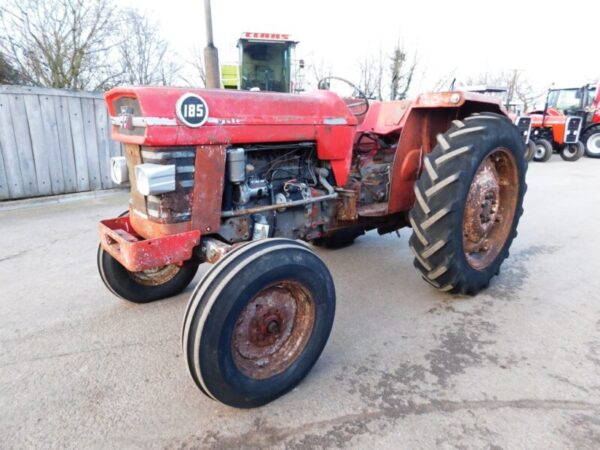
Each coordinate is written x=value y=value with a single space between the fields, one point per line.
x=273 y=330
x=209 y=181
x=490 y=208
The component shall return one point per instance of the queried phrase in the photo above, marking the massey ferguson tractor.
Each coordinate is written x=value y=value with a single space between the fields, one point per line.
x=584 y=102
x=556 y=128
x=243 y=180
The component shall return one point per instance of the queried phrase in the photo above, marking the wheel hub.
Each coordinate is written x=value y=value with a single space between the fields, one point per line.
x=540 y=151
x=490 y=208
x=272 y=330
x=156 y=277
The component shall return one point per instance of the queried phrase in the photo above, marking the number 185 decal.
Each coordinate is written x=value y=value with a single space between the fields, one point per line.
x=192 y=110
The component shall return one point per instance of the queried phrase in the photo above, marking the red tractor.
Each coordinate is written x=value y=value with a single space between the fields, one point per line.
x=562 y=123
x=239 y=179
x=583 y=102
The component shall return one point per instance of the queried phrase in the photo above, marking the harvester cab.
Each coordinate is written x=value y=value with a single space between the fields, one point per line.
x=239 y=179
x=265 y=63
x=583 y=101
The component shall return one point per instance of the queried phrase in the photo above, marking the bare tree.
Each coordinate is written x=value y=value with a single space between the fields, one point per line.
x=317 y=71
x=8 y=74
x=196 y=63
x=143 y=53
x=60 y=43
x=401 y=72
x=371 y=69
x=514 y=81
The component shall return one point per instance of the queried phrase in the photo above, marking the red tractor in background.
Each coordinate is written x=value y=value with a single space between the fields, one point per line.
x=239 y=179
x=584 y=102
x=569 y=124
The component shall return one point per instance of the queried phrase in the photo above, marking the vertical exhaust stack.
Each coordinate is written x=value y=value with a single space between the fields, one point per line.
x=211 y=54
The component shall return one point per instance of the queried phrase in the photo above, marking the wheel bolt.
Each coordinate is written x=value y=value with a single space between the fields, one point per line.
x=273 y=327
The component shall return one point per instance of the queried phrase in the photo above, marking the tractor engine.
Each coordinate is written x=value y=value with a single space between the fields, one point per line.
x=261 y=176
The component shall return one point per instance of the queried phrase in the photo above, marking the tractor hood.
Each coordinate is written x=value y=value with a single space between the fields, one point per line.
x=158 y=116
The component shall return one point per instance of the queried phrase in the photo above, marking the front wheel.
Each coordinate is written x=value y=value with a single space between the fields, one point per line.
x=146 y=286
x=530 y=149
x=258 y=321
x=543 y=150
x=468 y=203
x=572 y=152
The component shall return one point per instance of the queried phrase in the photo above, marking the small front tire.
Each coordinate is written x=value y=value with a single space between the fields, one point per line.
x=530 y=149
x=572 y=152
x=258 y=322
x=543 y=150
x=147 y=286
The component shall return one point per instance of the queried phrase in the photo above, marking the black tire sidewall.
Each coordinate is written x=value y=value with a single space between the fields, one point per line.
x=118 y=280
x=586 y=135
x=497 y=137
x=223 y=379
x=579 y=152
x=486 y=136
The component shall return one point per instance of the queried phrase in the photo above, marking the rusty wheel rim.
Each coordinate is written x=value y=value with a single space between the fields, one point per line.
x=155 y=277
x=273 y=329
x=490 y=208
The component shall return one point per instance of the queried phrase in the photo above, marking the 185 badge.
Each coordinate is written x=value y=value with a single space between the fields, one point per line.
x=192 y=110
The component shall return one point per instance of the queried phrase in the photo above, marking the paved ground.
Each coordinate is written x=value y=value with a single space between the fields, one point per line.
x=516 y=367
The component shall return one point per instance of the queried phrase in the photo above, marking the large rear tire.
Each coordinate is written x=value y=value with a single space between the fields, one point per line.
x=468 y=203
x=543 y=150
x=340 y=238
x=591 y=140
x=258 y=321
x=572 y=152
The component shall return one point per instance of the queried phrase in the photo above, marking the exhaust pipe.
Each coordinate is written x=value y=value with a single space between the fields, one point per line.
x=211 y=54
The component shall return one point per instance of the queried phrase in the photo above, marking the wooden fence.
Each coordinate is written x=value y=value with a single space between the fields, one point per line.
x=53 y=141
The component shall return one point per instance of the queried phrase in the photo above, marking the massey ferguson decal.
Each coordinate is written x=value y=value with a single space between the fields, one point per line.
x=192 y=110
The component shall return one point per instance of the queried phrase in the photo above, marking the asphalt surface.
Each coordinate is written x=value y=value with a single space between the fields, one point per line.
x=518 y=366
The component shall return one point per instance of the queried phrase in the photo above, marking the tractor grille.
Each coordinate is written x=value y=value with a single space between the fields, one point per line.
x=572 y=128
x=524 y=125
x=171 y=207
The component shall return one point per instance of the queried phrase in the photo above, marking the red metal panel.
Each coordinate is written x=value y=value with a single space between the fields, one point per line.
x=119 y=239
x=238 y=117
x=208 y=188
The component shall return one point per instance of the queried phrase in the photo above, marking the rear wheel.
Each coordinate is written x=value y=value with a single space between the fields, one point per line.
x=258 y=321
x=572 y=152
x=468 y=203
x=340 y=238
x=591 y=140
x=543 y=150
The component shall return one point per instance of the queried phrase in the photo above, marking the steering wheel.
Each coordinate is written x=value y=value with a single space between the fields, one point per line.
x=362 y=102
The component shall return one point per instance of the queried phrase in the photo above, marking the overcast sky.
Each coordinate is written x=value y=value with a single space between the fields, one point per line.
x=549 y=41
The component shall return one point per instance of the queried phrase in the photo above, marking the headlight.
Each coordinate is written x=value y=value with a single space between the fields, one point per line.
x=153 y=179
x=118 y=169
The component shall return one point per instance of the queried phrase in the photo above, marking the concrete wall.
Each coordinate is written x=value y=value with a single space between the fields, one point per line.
x=53 y=141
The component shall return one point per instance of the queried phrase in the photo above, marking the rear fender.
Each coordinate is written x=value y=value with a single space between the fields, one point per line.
x=427 y=118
